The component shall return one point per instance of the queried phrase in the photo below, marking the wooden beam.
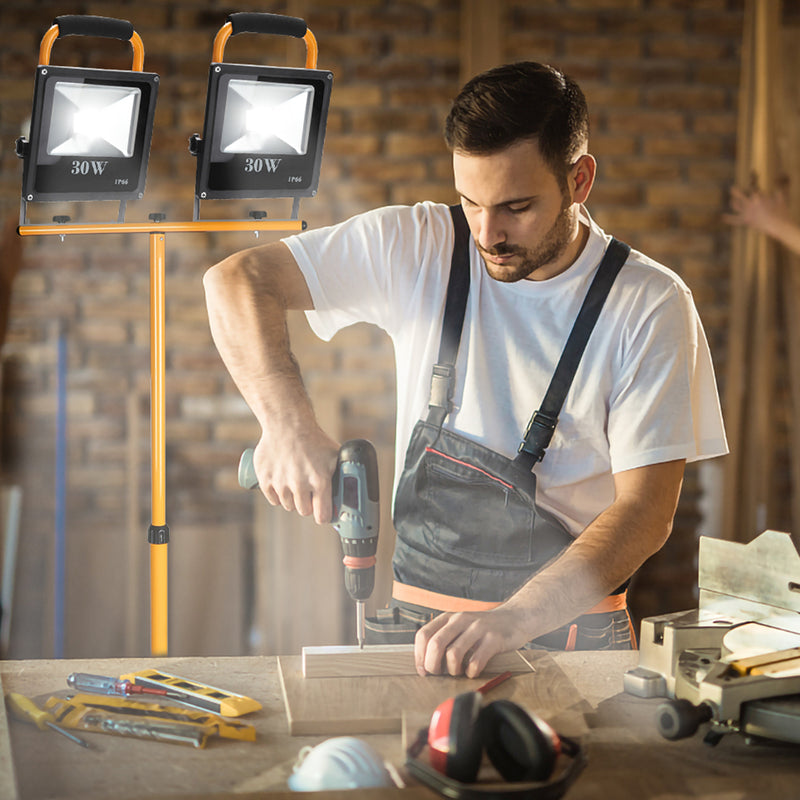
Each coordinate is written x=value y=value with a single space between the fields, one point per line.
x=481 y=36
x=135 y=535
x=749 y=498
x=389 y=659
x=789 y=164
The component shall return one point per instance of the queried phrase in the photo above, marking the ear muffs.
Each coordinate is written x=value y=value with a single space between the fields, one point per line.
x=454 y=737
x=521 y=746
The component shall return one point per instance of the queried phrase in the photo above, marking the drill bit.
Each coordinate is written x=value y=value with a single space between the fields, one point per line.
x=360 y=629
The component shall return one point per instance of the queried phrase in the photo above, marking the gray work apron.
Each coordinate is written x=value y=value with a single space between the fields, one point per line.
x=466 y=516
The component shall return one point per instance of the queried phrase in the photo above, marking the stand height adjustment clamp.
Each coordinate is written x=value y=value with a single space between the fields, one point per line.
x=158 y=534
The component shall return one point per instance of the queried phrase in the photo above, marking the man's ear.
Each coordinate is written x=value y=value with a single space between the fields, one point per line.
x=581 y=177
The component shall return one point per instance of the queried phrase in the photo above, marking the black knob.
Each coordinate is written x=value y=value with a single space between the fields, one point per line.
x=679 y=719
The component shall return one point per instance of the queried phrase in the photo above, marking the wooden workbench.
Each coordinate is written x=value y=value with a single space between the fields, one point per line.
x=627 y=757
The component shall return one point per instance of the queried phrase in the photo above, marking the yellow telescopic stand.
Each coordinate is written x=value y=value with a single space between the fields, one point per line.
x=157 y=229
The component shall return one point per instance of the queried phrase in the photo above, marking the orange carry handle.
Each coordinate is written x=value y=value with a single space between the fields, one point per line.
x=87 y=25
x=255 y=22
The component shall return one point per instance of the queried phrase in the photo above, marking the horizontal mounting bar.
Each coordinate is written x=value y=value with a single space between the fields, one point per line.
x=199 y=226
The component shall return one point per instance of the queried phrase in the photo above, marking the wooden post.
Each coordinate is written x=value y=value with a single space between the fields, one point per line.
x=133 y=543
x=789 y=155
x=750 y=379
x=481 y=36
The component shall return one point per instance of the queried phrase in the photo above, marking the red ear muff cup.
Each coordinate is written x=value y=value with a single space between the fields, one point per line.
x=521 y=746
x=454 y=737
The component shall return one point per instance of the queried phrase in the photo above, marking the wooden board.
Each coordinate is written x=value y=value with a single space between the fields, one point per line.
x=389 y=659
x=338 y=706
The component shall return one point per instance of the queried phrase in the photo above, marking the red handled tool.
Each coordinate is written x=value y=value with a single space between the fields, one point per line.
x=100 y=684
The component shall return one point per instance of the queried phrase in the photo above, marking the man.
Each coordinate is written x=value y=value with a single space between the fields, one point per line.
x=642 y=403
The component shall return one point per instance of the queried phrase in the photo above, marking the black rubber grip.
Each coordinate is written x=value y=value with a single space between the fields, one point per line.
x=83 y=25
x=254 y=22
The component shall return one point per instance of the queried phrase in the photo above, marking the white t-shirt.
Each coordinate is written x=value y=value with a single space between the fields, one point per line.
x=644 y=392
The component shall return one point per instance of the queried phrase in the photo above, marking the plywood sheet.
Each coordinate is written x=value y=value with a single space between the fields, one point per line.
x=348 y=661
x=337 y=706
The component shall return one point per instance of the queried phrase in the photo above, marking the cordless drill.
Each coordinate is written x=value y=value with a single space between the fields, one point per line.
x=356 y=516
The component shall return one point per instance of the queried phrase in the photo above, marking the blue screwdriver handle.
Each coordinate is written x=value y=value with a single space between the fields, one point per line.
x=97 y=684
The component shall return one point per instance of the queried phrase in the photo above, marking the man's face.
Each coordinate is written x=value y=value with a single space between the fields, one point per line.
x=524 y=223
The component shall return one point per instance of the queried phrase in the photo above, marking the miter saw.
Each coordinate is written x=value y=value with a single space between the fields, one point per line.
x=733 y=662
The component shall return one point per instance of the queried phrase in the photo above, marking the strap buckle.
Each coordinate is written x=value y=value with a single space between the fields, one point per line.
x=538 y=435
x=442 y=387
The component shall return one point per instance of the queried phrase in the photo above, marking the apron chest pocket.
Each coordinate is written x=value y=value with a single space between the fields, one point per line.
x=472 y=514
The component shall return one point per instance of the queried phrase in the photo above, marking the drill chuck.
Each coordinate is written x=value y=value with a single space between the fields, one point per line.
x=359 y=581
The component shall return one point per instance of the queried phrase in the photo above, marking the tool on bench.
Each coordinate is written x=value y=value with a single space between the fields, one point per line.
x=101 y=684
x=70 y=711
x=356 y=517
x=97 y=720
x=522 y=747
x=24 y=709
x=193 y=693
x=734 y=662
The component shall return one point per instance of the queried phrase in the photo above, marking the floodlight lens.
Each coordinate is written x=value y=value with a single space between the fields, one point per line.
x=261 y=117
x=92 y=120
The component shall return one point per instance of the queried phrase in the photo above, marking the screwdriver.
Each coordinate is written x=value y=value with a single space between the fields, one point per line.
x=24 y=709
x=100 y=684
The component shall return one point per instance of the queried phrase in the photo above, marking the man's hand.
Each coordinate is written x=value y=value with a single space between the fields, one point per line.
x=463 y=642
x=295 y=472
x=755 y=209
x=608 y=552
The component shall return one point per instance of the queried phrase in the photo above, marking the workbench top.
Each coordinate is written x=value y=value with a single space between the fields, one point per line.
x=627 y=758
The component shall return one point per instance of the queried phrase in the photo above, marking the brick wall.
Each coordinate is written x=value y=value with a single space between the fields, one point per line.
x=661 y=77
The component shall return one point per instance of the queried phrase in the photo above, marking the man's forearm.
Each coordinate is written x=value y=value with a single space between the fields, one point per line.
x=786 y=232
x=247 y=297
x=605 y=555
x=247 y=317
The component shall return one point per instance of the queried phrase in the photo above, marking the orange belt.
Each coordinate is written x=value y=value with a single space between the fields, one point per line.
x=406 y=593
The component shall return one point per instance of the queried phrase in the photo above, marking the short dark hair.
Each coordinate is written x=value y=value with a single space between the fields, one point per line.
x=520 y=101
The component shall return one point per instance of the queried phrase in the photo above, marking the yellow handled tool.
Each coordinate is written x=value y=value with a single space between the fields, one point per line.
x=24 y=709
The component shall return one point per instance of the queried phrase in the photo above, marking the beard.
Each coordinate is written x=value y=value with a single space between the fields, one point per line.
x=551 y=247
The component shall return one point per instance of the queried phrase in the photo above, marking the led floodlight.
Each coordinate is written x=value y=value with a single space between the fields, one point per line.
x=266 y=118
x=264 y=126
x=90 y=128
x=92 y=120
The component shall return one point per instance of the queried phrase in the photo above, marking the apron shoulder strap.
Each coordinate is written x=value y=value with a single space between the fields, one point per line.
x=543 y=422
x=443 y=378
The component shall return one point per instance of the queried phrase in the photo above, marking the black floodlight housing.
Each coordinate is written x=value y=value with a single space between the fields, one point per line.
x=264 y=125
x=90 y=128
